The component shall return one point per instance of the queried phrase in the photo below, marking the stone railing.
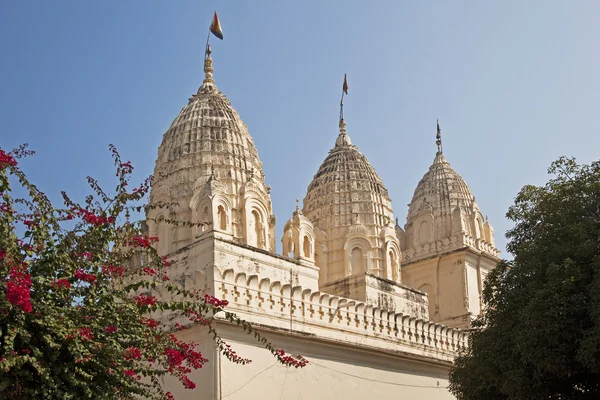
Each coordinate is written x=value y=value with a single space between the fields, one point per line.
x=302 y=311
x=453 y=242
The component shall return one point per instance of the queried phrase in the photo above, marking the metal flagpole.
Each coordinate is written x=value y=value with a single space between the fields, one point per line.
x=342 y=106
x=206 y=48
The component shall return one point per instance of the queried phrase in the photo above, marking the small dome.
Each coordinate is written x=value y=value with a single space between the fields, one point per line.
x=443 y=215
x=346 y=186
x=440 y=190
x=297 y=219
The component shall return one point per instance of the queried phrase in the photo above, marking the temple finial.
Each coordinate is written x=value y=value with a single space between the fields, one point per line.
x=343 y=139
x=342 y=126
x=208 y=69
x=438 y=137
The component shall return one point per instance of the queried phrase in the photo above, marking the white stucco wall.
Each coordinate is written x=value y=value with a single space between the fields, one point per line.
x=334 y=372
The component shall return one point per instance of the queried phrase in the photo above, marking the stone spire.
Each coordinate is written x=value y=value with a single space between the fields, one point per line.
x=443 y=210
x=349 y=207
x=209 y=143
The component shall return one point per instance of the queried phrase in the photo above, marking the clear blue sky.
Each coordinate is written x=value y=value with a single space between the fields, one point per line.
x=515 y=85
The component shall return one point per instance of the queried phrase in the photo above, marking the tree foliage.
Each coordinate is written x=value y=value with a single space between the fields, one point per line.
x=540 y=335
x=76 y=315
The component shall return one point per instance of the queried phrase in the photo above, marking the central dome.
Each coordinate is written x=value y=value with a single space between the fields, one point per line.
x=350 y=210
x=347 y=186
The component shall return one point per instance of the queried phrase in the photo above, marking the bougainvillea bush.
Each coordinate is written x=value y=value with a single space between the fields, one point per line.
x=76 y=312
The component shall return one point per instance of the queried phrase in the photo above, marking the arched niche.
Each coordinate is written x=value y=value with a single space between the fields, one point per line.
x=393 y=262
x=478 y=224
x=221 y=213
x=222 y=217
x=357 y=261
x=256 y=237
x=357 y=251
x=255 y=224
x=307 y=247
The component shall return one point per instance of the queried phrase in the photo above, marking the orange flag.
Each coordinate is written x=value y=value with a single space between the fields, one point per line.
x=215 y=27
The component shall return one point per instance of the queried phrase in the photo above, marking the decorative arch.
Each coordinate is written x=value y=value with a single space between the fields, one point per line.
x=256 y=235
x=393 y=262
x=357 y=261
x=478 y=222
x=357 y=250
x=222 y=217
x=222 y=209
x=306 y=247
x=201 y=214
x=255 y=223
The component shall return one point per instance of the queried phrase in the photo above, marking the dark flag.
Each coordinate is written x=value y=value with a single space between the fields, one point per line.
x=345 y=87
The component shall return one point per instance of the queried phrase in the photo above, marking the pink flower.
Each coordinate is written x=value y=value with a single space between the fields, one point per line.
x=110 y=329
x=62 y=284
x=6 y=159
x=174 y=357
x=151 y=323
x=187 y=383
x=112 y=270
x=85 y=334
x=143 y=241
x=143 y=300
x=81 y=275
x=93 y=219
x=132 y=353
x=129 y=372
x=17 y=288
x=214 y=301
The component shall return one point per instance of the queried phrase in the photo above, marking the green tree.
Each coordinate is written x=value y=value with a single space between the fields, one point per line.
x=76 y=314
x=540 y=335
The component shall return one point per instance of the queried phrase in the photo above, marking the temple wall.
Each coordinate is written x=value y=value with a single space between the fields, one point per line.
x=335 y=371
